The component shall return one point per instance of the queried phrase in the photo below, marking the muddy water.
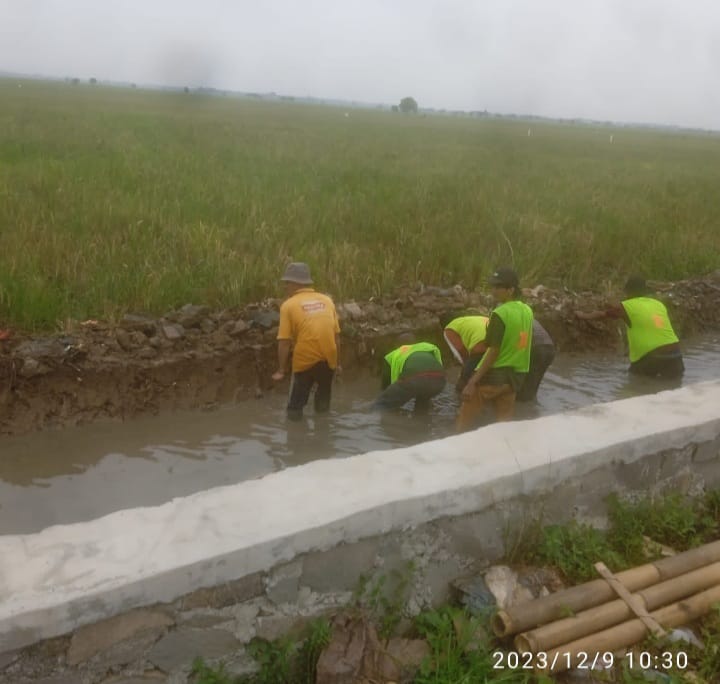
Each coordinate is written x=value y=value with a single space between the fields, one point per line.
x=82 y=473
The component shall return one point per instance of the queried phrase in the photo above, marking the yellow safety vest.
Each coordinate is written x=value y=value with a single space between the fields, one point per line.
x=649 y=327
x=517 y=340
x=397 y=357
x=472 y=329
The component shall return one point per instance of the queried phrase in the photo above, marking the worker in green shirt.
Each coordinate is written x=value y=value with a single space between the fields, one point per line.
x=653 y=346
x=412 y=371
x=502 y=370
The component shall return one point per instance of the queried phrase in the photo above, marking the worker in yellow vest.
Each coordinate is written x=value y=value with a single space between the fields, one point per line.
x=412 y=371
x=653 y=346
x=502 y=370
x=465 y=336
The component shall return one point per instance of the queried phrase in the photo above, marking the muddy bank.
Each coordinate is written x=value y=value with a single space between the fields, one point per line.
x=198 y=358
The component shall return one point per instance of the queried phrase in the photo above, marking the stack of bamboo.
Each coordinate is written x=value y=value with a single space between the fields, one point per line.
x=669 y=592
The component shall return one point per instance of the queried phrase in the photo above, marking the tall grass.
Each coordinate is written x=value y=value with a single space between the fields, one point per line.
x=114 y=200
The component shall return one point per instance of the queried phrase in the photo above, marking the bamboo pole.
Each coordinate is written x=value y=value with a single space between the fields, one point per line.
x=614 y=612
x=548 y=608
x=635 y=605
x=583 y=651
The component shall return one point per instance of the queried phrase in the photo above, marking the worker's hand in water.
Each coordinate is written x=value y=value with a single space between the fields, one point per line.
x=338 y=372
x=468 y=391
x=277 y=376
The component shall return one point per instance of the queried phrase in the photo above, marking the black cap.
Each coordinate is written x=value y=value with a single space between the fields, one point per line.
x=504 y=277
x=636 y=285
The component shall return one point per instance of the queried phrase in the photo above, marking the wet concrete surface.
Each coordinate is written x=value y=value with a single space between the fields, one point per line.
x=82 y=473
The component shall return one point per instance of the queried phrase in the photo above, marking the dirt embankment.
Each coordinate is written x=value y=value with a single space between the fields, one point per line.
x=198 y=358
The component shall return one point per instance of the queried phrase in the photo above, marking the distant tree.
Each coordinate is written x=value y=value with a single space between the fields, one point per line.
x=395 y=108
x=76 y=81
x=93 y=81
x=133 y=85
x=186 y=89
x=408 y=105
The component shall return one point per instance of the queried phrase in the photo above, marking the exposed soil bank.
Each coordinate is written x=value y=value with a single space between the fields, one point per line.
x=198 y=358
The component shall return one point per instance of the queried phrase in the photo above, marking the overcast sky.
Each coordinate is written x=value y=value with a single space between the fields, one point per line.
x=628 y=60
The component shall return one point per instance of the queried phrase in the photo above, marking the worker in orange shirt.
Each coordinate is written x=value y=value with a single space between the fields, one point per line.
x=308 y=323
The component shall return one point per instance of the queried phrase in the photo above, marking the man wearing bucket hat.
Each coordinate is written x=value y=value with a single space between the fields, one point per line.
x=653 y=346
x=501 y=371
x=308 y=322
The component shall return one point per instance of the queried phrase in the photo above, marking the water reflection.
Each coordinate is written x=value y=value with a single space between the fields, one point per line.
x=82 y=473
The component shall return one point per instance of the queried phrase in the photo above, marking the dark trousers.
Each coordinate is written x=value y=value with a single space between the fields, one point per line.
x=661 y=365
x=541 y=357
x=302 y=383
x=421 y=387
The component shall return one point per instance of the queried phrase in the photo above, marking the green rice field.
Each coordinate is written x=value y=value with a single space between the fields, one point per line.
x=115 y=200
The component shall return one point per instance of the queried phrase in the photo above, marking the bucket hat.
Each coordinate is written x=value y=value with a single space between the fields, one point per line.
x=297 y=272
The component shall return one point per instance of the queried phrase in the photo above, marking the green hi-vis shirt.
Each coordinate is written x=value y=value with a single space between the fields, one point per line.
x=472 y=329
x=517 y=318
x=396 y=359
x=649 y=327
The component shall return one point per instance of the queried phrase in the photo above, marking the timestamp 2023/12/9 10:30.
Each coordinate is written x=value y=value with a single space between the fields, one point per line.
x=587 y=660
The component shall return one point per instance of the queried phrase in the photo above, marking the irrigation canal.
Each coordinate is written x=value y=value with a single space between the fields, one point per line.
x=77 y=474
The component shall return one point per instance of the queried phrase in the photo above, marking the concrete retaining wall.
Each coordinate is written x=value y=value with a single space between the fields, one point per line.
x=203 y=574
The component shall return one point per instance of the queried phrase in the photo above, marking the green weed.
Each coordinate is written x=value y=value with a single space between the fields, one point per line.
x=708 y=658
x=312 y=647
x=383 y=597
x=457 y=654
x=674 y=520
x=204 y=674
x=118 y=199
x=283 y=661
x=574 y=549
x=275 y=659
x=521 y=538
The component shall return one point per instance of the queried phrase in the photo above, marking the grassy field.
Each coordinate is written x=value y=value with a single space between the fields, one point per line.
x=114 y=200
